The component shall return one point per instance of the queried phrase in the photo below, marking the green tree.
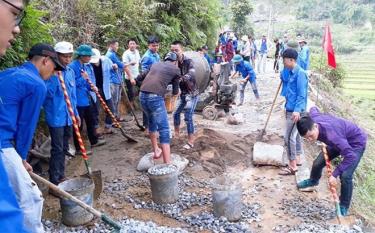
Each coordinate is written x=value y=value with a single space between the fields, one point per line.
x=32 y=31
x=241 y=9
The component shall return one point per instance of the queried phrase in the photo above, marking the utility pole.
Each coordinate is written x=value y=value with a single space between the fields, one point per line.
x=270 y=16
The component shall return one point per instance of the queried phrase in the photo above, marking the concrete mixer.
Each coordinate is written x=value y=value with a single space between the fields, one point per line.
x=220 y=94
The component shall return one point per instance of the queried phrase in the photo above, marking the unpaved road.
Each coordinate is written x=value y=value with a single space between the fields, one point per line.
x=220 y=148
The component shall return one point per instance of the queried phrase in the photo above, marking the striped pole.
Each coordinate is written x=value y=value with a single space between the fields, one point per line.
x=75 y=123
x=106 y=108
x=332 y=188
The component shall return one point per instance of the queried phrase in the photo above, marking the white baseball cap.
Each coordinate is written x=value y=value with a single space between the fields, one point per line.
x=64 y=47
x=96 y=56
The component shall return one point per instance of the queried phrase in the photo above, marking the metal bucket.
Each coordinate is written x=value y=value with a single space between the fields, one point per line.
x=73 y=214
x=164 y=183
x=227 y=198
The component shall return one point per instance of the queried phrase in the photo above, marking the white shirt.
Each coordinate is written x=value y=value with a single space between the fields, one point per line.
x=131 y=57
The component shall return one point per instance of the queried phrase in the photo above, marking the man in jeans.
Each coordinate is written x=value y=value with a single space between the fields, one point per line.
x=116 y=77
x=296 y=100
x=248 y=74
x=189 y=94
x=153 y=88
x=262 y=62
x=342 y=137
x=150 y=57
x=57 y=114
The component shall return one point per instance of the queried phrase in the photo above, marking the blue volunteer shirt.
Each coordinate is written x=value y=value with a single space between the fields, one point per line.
x=22 y=93
x=284 y=76
x=82 y=86
x=11 y=216
x=116 y=75
x=263 y=47
x=296 y=90
x=148 y=59
x=304 y=57
x=246 y=69
x=107 y=74
x=55 y=108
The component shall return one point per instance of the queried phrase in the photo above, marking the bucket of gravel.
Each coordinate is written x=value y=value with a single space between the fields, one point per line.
x=73 y=214
x=227 y=198
x=164 y=183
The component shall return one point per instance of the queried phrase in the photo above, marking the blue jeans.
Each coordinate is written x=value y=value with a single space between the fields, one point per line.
x=346 y=177
x=186 y=103
x=242 y=90
x=59 y=146
x=153 y=107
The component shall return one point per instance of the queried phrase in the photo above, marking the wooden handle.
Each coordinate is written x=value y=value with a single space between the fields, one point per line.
x=273 y=104
x=66 y=195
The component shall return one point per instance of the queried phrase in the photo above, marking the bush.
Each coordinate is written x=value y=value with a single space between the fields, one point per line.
x=335 y=76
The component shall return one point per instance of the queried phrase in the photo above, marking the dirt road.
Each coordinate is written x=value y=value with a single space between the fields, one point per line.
x=272 y=202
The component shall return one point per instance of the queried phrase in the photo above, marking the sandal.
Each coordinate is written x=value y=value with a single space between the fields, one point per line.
x=159 y=154
x=188 y=146
x=288 y=172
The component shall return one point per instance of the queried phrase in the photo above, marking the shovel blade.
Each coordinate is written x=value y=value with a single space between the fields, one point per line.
x=96 y=177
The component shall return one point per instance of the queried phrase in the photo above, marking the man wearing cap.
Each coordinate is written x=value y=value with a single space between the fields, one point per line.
x=11 y=15
x=153 y=88
x=57 y=114
x=22 y=93
x=248 y=74
x=150 y=57
x=296 y=100
x=189 y=94
x=116 y=76
x=103 y=68
x=304 y=54
x=86 y=99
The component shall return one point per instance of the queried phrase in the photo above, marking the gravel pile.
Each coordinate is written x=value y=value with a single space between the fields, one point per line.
x=162 y=169
x=128 y=226
x=315 y=215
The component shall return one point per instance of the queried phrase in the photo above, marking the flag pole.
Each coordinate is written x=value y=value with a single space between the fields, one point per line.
x=319 y=77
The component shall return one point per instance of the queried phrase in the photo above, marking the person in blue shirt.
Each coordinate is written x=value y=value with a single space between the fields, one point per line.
x=57 y=114
x=116 y=76
x=86 y=99
x=248 y=74
x=206 y=56
x=11 y=216
x=304 y=54
x=22 y=93
x=103 y=68
x=150 y=57
x=263 y=51
x=296 y=101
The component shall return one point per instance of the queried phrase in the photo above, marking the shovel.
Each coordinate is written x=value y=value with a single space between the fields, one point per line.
x=341 y=219
x=260 y=136
x=63 y=194
x=141 y=127
x=96 y=176
x=106 y=108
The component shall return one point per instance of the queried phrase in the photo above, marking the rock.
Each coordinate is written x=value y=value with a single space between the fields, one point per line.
x=266 y=154
x=147 y=162
x=235 y=119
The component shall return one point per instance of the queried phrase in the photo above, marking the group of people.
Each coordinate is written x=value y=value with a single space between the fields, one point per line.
x=37 y=83
x=64 y=82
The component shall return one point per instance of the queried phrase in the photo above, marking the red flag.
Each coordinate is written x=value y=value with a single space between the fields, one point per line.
x=328 y=48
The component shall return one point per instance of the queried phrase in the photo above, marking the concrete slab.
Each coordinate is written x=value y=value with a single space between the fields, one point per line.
x=267 y=154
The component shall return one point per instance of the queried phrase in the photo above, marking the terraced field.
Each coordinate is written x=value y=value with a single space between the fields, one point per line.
x=360 y=81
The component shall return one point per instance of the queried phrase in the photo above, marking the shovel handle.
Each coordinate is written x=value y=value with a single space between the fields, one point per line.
x=273 y=104
x=75 y=123
x=332 y=188
x=67 y=195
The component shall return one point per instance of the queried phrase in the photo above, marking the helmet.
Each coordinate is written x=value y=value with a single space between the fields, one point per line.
x=237 y=58
x=84 y=50
x=171 y=56
x=64 y=47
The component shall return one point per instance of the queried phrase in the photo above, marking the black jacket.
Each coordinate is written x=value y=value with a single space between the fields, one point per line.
x=188 y=84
